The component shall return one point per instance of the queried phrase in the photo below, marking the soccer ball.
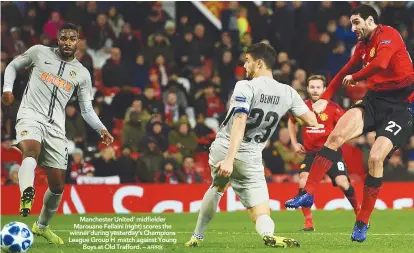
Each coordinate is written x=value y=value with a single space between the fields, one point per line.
x=16 y=237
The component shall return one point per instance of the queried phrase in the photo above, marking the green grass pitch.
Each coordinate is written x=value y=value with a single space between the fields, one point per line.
x=391 y=231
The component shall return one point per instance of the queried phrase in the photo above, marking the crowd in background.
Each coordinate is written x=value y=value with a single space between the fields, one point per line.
x=162 y=85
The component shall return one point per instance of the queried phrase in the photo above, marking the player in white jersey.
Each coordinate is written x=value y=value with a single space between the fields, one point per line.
x=40 y=128
x=256 y=107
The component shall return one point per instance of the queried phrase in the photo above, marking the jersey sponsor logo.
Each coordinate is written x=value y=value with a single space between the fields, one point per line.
x=56 y=81
x=316 y=129
x=385 y=42
x=323 y=116
x=24 y=133
x=372 y=52
x=47 y=62
x=240 y=99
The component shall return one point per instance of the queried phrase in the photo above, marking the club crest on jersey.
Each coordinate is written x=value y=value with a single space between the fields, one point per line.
x=24 y=133
x=323 y=116
x=303 y=166
x=372 y=52
x=72 y=74
x=240 y=99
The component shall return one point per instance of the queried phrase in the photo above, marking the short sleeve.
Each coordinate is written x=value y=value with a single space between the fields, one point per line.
x=242 y=97
x=298 y=106
x=85 y=88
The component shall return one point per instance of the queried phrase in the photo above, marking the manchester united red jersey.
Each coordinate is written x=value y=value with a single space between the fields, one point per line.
x=385 y=62
x=315 y=138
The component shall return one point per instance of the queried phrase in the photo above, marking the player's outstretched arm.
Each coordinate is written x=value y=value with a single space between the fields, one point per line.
x=236 y=137
x=299 y=149
x=310 y=119
x=22 y=61
x=336 y=83
x=89 y=115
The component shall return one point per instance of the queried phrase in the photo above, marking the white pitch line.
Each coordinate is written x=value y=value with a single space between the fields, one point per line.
x=292 y=233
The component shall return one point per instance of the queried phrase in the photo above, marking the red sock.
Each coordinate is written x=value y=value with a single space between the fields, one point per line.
x=307 y=213
x=368 y=203
x=319 y=168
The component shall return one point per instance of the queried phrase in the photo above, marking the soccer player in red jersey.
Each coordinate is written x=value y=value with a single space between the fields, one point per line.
x=313 y=140
x=388 y=68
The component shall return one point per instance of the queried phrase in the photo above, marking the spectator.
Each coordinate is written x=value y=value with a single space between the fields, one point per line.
x=51 y=28
x=140 y=72
x=6 y=41
x=225 y=68
x=11 y=14
x=115 y=21
x=222 y=46
x=246 y=41
x=282 y=27
x=192 y=176
x=297 y=85
x=229 y=19
x=170 y=173
x=134 y=125
x=114 y=72
x=175 y=87
x=173 y=153
x=9 y=154
x=126 y=166
x=210 y=104
x=29 y=35
x=284 y=75
x=152 y=161
x=75 y=126
x=83 y=57
x=79 y=167
x=129 y=46
x=205 y=135
x=173 y=111
x=122 y=101
x=156 y=19
x=272 y=159
x=105 y=165
x=100 y=37
x=158 y=44
x=104 y=110
x=325 y=13
x=77 y=14
x=337 y=59
x=344 y=33
x=242 y=22
x=158 y=131
x=283 y=146
x=162 y=69
x=261 y=25
x=189 y=57
x=202 y=43
x=183 y=25
x=300 y=75
x=151 y=104
x=13 y=175
x=171 y=34
x=18 y=44
x=183 y=138
x=91 y=13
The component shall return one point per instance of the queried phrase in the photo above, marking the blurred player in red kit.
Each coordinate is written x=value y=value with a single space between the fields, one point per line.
x=313 y=140
x=388 y=68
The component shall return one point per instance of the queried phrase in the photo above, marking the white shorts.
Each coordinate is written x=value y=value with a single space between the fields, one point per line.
x=54 y=145
x=247 y=180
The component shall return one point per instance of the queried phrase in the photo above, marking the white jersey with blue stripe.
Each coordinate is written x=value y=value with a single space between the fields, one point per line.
x=265 y=101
